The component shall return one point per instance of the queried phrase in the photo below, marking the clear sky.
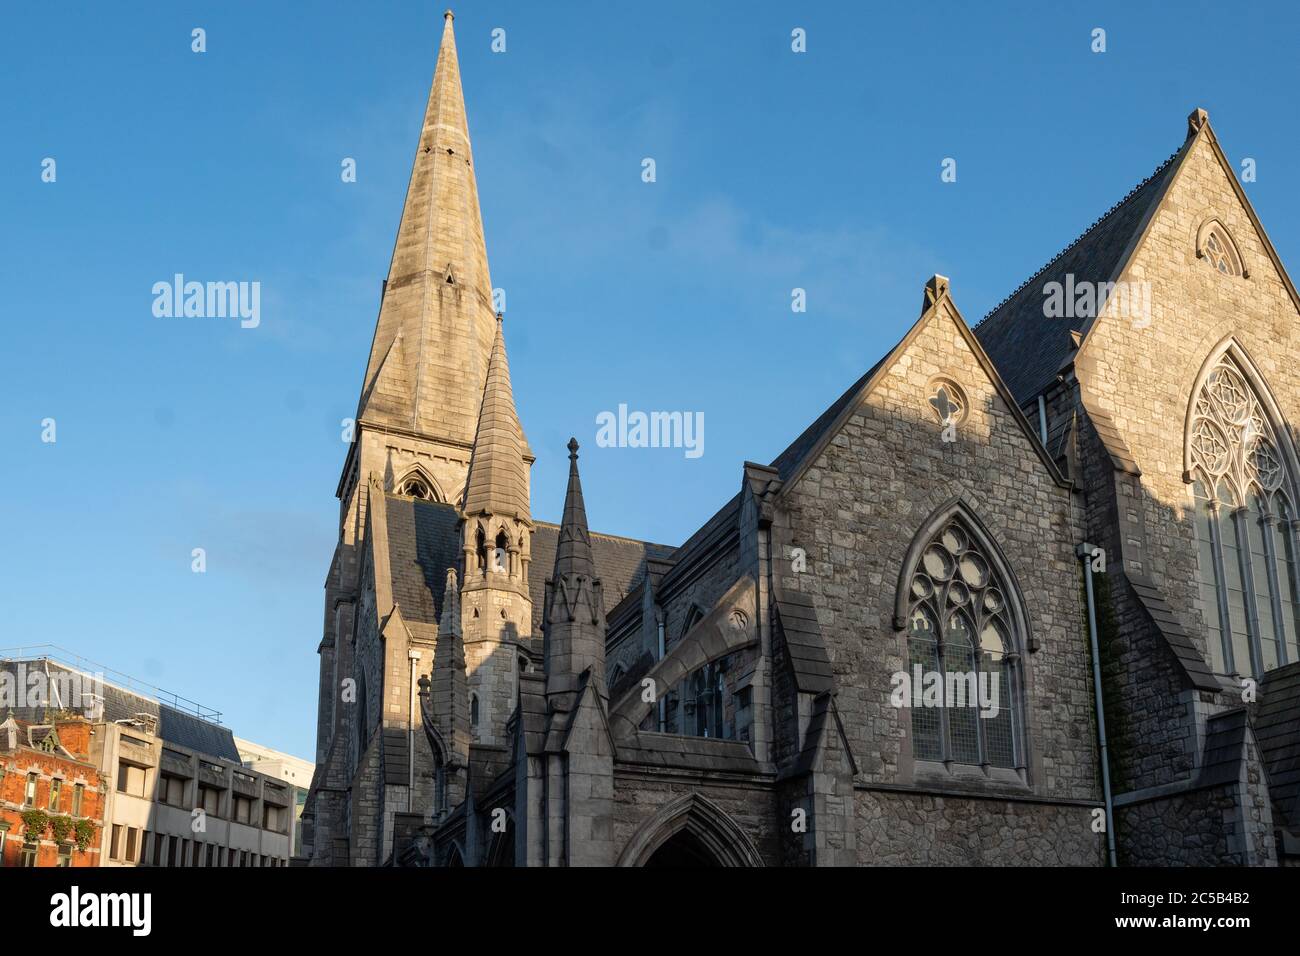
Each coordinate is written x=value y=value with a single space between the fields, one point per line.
x=775 y=170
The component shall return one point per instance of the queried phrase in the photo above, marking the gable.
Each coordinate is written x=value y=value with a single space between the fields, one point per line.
x=1030 y=347
x=939 y=349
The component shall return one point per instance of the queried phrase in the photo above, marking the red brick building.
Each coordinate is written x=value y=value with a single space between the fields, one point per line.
x=51 y=794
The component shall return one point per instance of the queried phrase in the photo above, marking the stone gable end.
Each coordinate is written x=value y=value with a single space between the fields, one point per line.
x=856 y=511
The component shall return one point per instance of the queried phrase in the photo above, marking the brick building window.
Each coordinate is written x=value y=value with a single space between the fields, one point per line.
x=1245 y=525
x=29 y=793
x=78 y=799
x=56 y=790
x=963 y=634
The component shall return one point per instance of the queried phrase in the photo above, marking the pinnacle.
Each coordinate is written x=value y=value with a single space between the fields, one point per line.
x=573 y=550
x=497 y=482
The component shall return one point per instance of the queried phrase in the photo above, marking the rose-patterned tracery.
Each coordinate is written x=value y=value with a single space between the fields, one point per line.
x=1245 y=530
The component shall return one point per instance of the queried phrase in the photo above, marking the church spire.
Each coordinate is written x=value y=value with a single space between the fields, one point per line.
x=574 y=621
x=498 y=475
x=573 y=550
x=430 y=352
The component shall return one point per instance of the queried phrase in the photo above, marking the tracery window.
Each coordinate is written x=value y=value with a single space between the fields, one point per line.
x=1245 y=527
x=1221 y=254
x=962 y=628
x=414 y=486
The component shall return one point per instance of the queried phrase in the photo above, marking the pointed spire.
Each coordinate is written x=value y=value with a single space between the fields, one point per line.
x=449 y=623
x=498 y=474
x=447 y=695
x=573 y=550
x=574 y=620
x=438 y=294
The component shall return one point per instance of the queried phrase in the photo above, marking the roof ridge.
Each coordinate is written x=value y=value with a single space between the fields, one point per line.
x=606 y=534
x=1084 y=235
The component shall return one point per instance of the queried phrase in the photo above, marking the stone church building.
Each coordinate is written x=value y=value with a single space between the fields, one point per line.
x=878 y=651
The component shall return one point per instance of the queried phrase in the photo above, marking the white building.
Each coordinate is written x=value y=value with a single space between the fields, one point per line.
x=282 y=766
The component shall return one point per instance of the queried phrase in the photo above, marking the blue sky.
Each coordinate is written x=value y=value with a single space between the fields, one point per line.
x=775 y=170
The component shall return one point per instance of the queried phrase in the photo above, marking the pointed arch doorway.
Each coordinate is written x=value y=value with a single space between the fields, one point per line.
x=690 y=831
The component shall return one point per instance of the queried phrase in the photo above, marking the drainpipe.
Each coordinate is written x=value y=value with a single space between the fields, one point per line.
x=1042 y=419
x=1084 y=551
x=662 y=712
x=414 y=657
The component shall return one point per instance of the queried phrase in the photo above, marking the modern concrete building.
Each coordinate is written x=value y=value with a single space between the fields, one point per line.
x=176 y=792
x=294 y=771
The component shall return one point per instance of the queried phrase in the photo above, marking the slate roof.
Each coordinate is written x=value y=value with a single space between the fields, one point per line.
x=1277 y=728
x=1195 y=668
x=1225 y=741
x=804 y=644
x=620 y=563
x=1030 y=348
x=787 y=463
x=174 y=726
x=423 y=542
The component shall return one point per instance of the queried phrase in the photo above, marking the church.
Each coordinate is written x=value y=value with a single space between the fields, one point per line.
x=1074 y=524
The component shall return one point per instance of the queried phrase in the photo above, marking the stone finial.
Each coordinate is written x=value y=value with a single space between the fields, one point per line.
x=935 y=288
x=1196 y=120
x=448 y=15
x=573 y=448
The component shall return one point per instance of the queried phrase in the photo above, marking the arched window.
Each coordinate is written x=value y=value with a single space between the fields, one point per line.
x=414 y=486
x=473 y=710
x=1245 y=532
x=962 y=652
x=1215 y=246
x=500 y=558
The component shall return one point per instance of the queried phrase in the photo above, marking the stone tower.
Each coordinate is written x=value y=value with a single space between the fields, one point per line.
x=438 y=457
x=424 y=380
x=496 y=535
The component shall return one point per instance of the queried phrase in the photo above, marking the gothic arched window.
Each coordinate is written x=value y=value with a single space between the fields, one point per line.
x=1214 y=244
x=414 y=486
x=962 y=653
x=1245 y=532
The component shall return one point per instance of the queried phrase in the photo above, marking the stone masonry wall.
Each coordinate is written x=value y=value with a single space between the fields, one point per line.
x=856 y=512
x=1142 y=375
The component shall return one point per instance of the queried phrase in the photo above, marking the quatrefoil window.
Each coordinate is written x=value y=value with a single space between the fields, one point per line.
x=947 y=401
